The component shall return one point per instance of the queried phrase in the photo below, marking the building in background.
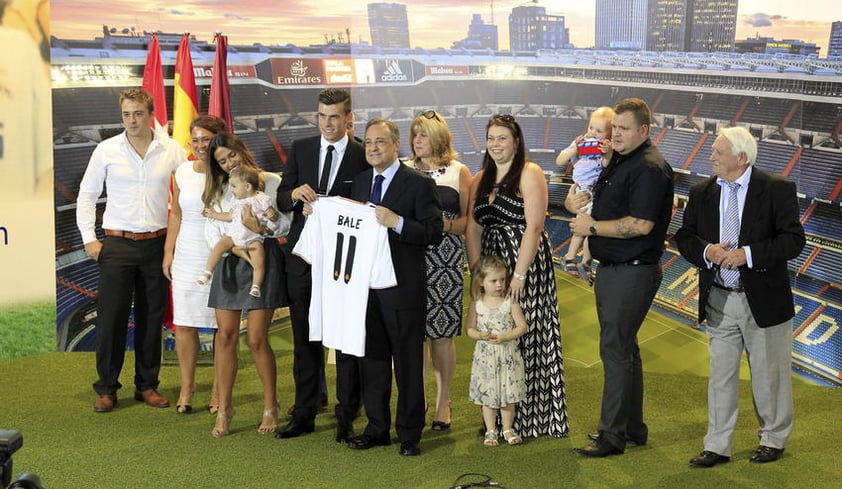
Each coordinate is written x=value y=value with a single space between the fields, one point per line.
x=480 y=35
x=388 y=25
x=834 y=45
x=621 y=24
x=532 y=28
x=711 y=25
x=769 y=45
x=667 y=21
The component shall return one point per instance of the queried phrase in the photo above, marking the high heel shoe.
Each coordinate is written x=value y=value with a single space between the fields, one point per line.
x=270 y=427
x=223 y=423
x=441 y=425
x=183 y=406
x=213 y=404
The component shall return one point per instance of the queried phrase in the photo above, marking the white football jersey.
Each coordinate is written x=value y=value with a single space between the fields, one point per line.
x=349 y=254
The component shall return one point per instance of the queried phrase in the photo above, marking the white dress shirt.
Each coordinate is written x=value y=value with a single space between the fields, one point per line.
x=338 y=153
x=138 y=188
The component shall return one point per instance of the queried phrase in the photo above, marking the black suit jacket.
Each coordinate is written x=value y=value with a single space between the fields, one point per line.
x=769 y=225
x=412 y=195
x=302 y=167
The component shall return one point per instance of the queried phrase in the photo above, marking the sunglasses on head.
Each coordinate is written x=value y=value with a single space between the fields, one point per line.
x=430 y=114
x=504 y=117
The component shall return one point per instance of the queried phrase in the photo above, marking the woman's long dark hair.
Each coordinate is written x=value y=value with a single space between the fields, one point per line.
x=215 y=176
x=511 y=182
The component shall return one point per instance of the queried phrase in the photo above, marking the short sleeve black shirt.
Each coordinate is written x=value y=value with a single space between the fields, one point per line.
x=638 y=184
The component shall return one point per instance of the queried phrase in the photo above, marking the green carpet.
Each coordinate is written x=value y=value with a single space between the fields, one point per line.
x=48 y=399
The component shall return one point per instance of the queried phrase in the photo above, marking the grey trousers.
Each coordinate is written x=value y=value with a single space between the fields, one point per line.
x=731 y=329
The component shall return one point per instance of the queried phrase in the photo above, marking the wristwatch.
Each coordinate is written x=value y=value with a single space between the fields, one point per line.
x=519 y=276
x=592 y=228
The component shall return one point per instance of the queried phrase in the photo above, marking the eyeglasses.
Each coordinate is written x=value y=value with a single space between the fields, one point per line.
x=430 y=114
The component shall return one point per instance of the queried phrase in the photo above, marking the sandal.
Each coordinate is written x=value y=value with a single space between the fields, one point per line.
x=204 y=277
x=490 y=438
x=571 y=266
x=255 y=290
x=223 y=423
x=213 y=404
x=184 y=404
x=590 y=272
x=270 y=427
x=512 y=438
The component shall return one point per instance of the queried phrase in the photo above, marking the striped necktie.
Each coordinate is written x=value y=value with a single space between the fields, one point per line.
x=730 y=277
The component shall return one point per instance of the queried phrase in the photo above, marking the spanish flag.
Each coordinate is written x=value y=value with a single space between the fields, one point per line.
x=220 y=92
x=153 y=83
x=185 y=101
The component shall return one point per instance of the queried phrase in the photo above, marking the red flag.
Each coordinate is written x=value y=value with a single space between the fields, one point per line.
x=185 y=101
x=153 y=82
x=220 y=92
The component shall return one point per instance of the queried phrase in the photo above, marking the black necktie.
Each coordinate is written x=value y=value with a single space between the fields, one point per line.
x=326 y=171
x=377 y=189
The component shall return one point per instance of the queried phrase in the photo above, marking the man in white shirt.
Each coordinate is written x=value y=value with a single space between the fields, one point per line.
x=135 y=166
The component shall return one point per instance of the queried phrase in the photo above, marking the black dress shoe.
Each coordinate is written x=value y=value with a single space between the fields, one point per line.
x=597 y=448
x=409 y=449
x=344 y=433
x=708 y=459
x=364 y=442
x=765 y=454
x=295 y=428
x=594 y=436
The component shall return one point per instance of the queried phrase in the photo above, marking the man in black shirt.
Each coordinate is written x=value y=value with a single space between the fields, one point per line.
x=632 y=205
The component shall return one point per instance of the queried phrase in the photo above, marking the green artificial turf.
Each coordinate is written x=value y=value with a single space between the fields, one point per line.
x=48 y=398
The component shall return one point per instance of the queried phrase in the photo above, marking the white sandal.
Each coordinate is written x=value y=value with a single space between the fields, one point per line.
x=255 y=290
x=491 y=438
x=512 y=438
x=204 y=277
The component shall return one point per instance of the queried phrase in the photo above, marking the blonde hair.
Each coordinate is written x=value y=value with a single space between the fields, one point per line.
x=604 y=112
x=435 y=127
x=486 y=265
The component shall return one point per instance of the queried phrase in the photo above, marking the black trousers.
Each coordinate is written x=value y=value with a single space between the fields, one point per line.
x=308 y=363
x=130 y=270
x=624 y=295
x=393 y=337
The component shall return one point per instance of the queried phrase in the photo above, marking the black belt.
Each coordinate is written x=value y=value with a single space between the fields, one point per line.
x=631 y=263
x=740 y=289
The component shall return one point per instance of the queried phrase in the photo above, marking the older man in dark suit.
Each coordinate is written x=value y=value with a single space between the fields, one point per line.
x=318 y=165
x=407 y=203
x=740 y=228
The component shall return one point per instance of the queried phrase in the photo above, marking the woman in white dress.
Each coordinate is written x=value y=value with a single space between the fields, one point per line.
x=185 y=254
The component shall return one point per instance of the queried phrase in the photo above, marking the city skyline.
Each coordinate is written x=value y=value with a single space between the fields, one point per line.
x=251 y=21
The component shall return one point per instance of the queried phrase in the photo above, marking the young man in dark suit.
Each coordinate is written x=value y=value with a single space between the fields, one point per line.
x=318 y=165
x=740 y=228
x=407 y=204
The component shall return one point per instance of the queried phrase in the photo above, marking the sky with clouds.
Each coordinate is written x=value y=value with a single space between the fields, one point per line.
x=432 y=23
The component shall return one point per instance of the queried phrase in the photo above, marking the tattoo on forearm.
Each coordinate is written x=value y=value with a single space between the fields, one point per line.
x=629 y=227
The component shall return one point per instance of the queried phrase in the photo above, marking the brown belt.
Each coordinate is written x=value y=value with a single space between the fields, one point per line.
x=135 y=236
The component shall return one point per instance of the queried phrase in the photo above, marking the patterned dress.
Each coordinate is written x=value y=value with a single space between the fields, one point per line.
x=445 y=261
x=544 y=412
x=497 y=377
